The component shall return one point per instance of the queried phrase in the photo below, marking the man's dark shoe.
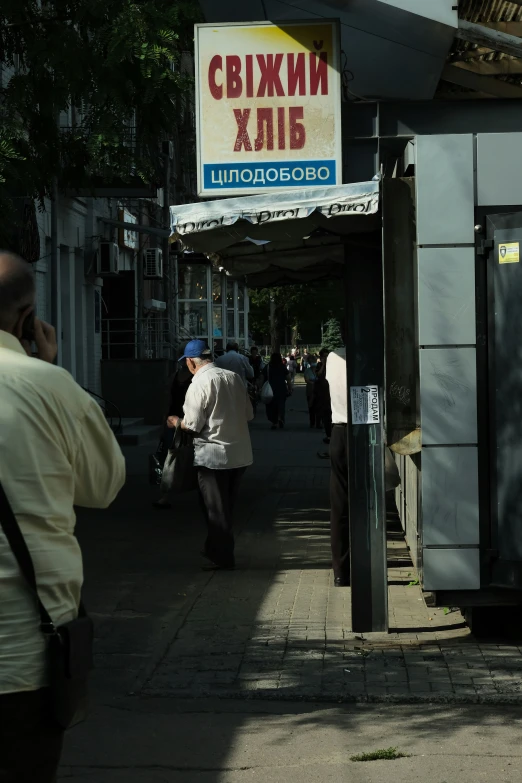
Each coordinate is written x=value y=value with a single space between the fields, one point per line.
x=340 y=582
x=326 y=440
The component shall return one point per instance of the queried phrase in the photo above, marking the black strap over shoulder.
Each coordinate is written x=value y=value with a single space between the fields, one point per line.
x=19 y=548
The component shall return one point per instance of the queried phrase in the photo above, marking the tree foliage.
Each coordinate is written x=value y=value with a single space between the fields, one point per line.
x=333 y=337
x=116 y=62
x=299 y=310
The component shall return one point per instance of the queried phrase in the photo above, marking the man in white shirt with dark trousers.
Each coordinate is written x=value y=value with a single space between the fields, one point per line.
x=339 y=521
x=217 y=410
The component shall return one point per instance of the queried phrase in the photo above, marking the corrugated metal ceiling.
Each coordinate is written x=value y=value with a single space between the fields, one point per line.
x=489 y=11
x=485 y=12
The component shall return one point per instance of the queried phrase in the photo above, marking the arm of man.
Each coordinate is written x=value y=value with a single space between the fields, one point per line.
x=99 y=465
x=194 y=410
x=249 y=409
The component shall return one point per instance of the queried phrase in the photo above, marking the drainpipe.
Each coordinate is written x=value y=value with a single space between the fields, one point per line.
x=168 y=286
x=54 y=257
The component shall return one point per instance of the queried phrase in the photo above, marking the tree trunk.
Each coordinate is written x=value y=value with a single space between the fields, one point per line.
x=275 y=339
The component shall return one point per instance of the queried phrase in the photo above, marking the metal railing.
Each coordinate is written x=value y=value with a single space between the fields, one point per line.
x=111 y=411
x=139 y=338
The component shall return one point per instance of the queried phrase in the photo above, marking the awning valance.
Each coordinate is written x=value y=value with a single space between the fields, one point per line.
x=290 y=230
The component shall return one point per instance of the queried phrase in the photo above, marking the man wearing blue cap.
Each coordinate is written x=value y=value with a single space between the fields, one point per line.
x=217 y=410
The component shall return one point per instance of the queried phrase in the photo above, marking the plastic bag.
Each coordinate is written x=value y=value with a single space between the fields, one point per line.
x=267 y=394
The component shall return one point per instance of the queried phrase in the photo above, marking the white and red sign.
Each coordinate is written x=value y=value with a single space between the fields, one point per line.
x=268 y=106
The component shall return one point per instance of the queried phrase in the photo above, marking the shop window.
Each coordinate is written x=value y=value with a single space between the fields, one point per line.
x=192 y=281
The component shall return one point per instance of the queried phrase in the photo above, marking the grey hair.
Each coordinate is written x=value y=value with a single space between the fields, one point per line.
x=205 y=358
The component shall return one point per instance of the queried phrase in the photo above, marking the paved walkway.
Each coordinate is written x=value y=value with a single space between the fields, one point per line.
x=255 y=675
x=275 y=628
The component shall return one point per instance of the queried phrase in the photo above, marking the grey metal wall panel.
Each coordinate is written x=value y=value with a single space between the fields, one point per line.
x=448 y=381
x=445 y=195
x=450 y=514
x=446 y=296
x=499 y=169
x=451 y=569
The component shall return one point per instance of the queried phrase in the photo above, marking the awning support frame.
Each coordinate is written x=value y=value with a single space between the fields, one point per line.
x=365 y=365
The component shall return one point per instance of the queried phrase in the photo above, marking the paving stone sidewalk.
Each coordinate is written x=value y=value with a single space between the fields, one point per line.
x=276 y=628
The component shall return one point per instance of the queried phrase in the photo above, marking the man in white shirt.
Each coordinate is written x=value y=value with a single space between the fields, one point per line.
x=235 y=362
x=217 y=410
x=56 y=451
x=339 y=522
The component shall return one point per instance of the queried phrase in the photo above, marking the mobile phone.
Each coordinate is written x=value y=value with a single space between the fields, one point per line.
x=28 y=328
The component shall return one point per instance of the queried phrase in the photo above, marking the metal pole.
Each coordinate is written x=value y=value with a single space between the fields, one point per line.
x=54 y=256
x=366 y=488
x=166 y=245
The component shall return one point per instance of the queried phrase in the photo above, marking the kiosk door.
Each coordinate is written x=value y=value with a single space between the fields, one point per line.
x=504 y=271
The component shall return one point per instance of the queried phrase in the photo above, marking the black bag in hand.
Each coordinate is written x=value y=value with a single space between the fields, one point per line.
x=69 y=646
x=179 y=472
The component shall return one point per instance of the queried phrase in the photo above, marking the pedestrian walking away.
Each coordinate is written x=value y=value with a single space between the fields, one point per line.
x=235 y=362
x=256 y=362
x=292 y=367
x=217 y=410
x=56 y=451
x=339 y=521
x=278 y=376
x=310 y=376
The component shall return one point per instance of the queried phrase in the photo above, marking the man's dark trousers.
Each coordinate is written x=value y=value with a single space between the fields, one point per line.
x=339 y=523
x=30 y=739
x=219 y=489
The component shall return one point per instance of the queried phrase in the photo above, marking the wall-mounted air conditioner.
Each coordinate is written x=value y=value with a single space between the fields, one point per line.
x=153 y=263
x=107 y=258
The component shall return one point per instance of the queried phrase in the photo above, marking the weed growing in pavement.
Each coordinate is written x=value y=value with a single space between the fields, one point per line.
x=388 y=754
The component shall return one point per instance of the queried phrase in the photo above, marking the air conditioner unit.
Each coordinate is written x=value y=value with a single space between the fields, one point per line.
x=153 y=263
x=107 y=258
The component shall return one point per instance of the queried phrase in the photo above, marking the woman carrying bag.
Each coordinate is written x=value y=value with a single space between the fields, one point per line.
x=276 y=374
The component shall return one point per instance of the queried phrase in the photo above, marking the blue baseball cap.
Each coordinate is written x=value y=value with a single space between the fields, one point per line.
x=194 y=350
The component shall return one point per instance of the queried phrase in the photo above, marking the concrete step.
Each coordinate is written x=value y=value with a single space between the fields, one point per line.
x=134 y=432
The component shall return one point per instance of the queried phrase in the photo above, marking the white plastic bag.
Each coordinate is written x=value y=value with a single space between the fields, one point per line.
x=267 y=394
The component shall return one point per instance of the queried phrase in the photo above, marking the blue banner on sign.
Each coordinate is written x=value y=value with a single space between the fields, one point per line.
x=298 y=174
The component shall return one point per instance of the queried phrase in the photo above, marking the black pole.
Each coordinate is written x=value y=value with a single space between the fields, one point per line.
x=366 y=489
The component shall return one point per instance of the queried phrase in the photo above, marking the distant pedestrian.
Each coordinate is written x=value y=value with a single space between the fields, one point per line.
x=339 y=522
x=256 y=362
x=235 y=362
x=292 y=367
x=217 y=410
x=278 y=376
x=310 y=376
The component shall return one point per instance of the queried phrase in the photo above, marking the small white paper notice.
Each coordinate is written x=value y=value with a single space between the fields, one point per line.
x=365 y=404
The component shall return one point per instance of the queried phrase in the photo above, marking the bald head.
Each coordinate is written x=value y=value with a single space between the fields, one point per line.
x=17 y=290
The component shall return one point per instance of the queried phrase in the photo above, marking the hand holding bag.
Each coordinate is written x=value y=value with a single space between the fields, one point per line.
x=68 y=646
x=179 y=471
x=267 y=393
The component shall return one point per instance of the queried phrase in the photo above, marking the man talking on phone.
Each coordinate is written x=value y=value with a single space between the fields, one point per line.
x=56 y=451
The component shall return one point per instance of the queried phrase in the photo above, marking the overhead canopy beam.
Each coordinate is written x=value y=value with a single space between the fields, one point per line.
x=507 y=66
x=491 y=39
x=475 y=81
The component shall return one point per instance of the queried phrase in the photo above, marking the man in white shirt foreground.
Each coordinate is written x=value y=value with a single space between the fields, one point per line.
x=56 y=451
x=217 y=410
x=339 y=522
x=235 y=362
